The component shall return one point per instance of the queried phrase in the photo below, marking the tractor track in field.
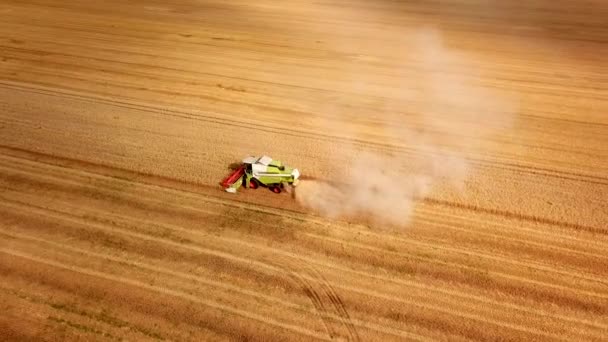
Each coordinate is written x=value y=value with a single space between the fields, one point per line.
x=178 y=294
x=144 y=236
x=315 y=287
x=304 y=278
x=280 y=268
x=273 y=269
x=320 y=293
x=329 y=317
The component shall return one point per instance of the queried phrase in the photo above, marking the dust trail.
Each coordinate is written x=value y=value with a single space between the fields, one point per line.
x=440 y=115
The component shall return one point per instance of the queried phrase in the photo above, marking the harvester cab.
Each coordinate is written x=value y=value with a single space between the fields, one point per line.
x=261 y=171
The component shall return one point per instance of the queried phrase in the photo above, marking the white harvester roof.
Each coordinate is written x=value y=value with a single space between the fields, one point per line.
x=263 y=160
x=250 y=160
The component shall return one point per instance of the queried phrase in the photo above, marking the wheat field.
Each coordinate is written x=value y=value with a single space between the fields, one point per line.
x=118 y=119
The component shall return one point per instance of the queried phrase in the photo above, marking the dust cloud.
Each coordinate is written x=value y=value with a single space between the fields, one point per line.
x=439 y=117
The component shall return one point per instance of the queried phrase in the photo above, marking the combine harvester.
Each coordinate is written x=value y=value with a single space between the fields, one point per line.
x=262 y=171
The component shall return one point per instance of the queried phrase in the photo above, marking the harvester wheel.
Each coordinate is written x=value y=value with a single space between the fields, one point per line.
x=253 y=184
x=276 y=189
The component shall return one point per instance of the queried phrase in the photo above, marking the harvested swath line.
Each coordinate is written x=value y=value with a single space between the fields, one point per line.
x=68 y=164
x=317 y=220
x=155 y=268
x=185 y=115
x=90 y=68
x=191 y=71
x=379 y=328
x=107 y=70
x=198 y=71
x=140 y=206
x=43 y=162
x=468 y=267
x=295 y=55
x=246 y=314
x=199 y=209
x=83 y=328
x=309 y=260
x=505 y=231
x=542 y=255
x=519 y=216
x=449 y=319
x=214 y=265
x=91 y=192
x=590 y=323
x=21 y=328
x=578 y=122
x=109 y=220
x=411 y=241
x=34 y=293
x=410 y=303
x=28 y=292
x=506 y=214
x=193 y=43
x=425 y=241
x=123 y=196
x=293 y=255
x=538 y=171
x=534 y=265
x=478 y=280
x=121 y=201
x=497 y=257
x=365 y=231
x=133 y=86
x=300 y=217
x=554 y=147
x=508 y=229
x=475 y=249
x=100 y=256
x=199 y=117
x=54 y=182
x=578 y=256
x=509 y=215
x=114 y=229
x=86 y=28
x=247 y=294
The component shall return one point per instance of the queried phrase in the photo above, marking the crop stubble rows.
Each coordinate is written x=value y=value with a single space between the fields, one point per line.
x=423 y=278
x=111 y=225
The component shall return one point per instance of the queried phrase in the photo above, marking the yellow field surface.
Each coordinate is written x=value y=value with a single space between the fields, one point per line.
x=454 y=160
